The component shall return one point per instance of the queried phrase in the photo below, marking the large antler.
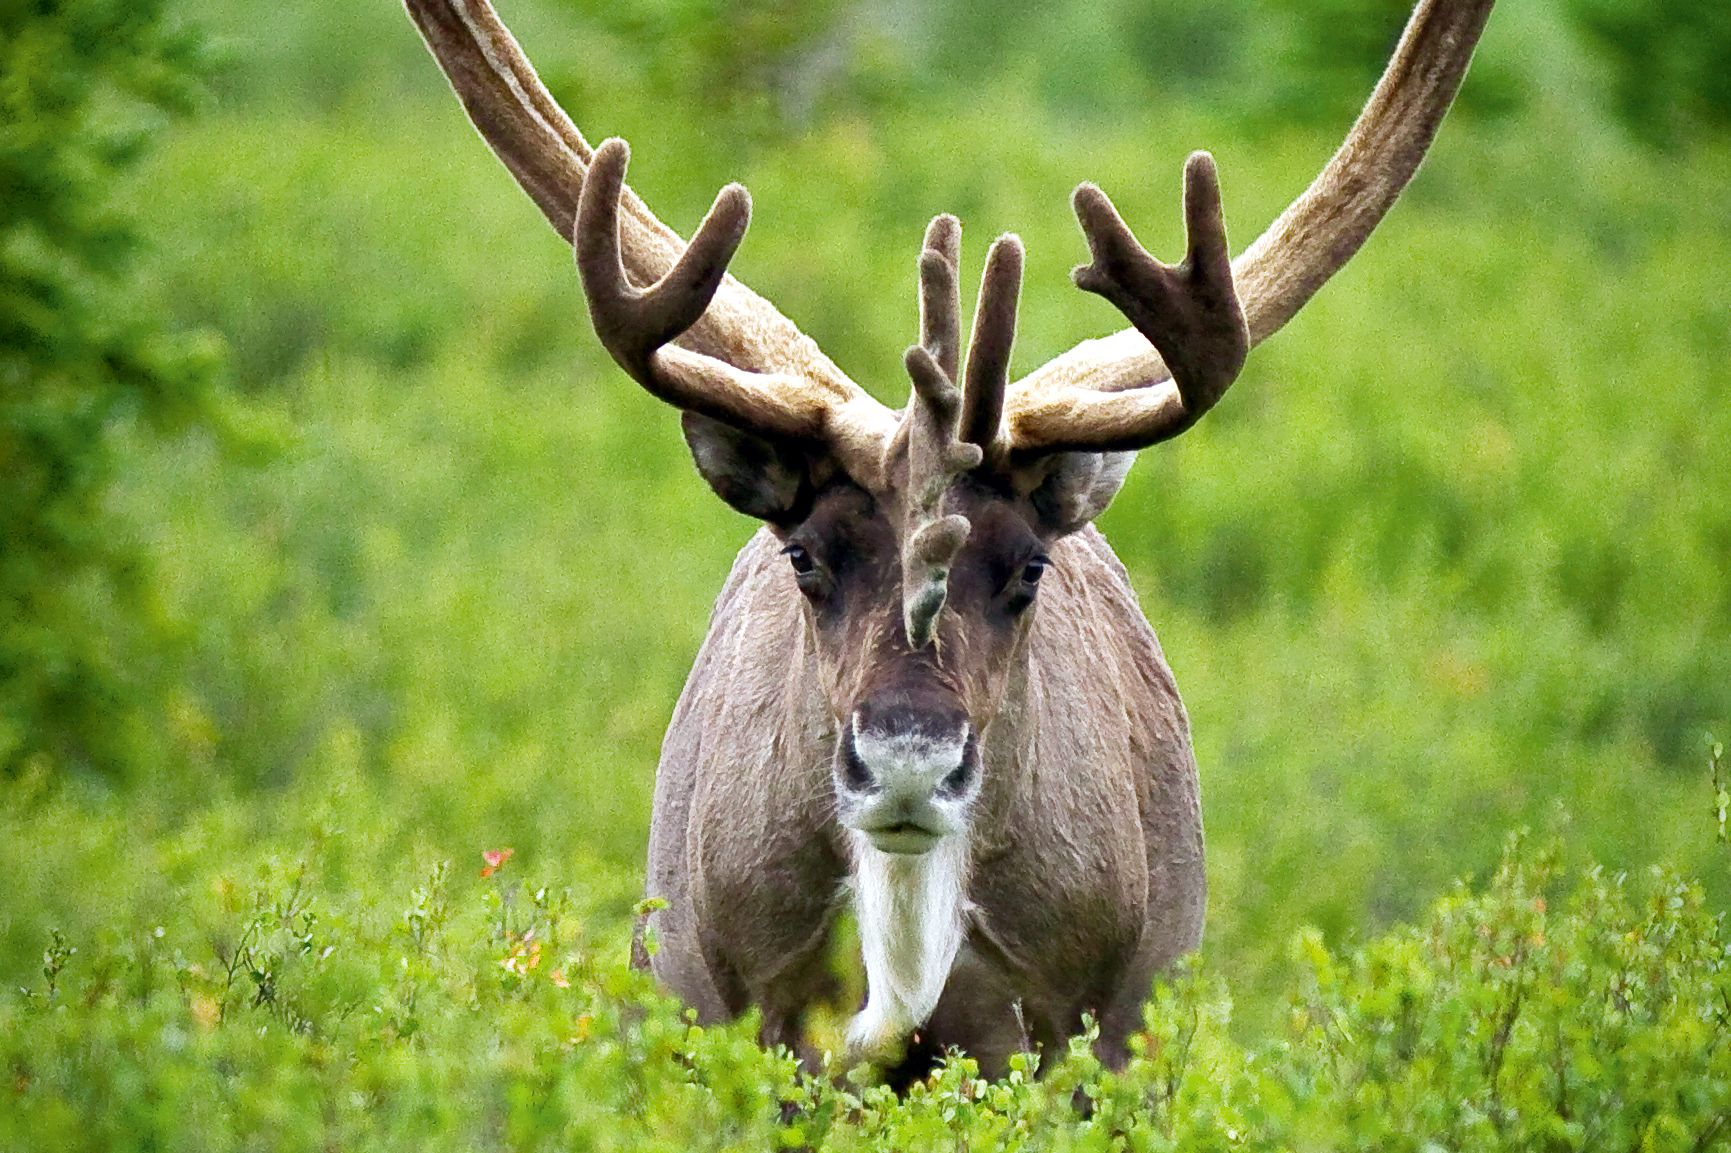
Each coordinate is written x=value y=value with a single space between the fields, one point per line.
x=1189 y=312
x=737 y=358
x=635 y=325
x=1120 y=393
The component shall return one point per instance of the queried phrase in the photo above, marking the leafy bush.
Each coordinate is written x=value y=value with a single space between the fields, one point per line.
x=85 y=85
x=1668 y=63
x=1530 y=1013
x=1449 y=558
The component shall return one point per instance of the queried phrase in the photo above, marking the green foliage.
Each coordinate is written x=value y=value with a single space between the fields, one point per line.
x=1721 y=787
x=1449 y=559
x=1668 y=61
x=1503 y=1024
x=1532 y=1013
x=85 y=85
x=755 y=62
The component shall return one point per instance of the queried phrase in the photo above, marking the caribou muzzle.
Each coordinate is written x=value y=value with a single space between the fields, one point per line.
x=905 y=776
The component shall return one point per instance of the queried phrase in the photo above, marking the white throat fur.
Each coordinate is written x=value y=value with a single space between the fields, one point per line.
x=911 y=912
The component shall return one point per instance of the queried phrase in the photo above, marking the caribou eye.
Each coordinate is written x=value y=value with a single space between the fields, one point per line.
x=801 y=560
x=1027 y=583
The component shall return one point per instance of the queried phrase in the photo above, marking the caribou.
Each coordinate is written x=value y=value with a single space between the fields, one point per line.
x=928 y=690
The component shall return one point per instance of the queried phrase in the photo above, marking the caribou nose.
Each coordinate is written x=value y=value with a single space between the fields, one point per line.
x=905 y=763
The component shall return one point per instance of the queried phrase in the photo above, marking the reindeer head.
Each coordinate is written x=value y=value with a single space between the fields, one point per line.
x=919 y=540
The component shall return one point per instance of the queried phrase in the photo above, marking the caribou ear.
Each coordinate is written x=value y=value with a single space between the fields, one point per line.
x=1072 y=488
x=755 y=476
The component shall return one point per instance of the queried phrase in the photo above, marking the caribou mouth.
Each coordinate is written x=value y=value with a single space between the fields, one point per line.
x=903 y=838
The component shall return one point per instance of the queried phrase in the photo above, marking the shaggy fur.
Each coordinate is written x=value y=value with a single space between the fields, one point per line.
x=911 y=912
x=1085 y=871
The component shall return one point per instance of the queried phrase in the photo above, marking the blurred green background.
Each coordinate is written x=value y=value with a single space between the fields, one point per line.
x=331 y=536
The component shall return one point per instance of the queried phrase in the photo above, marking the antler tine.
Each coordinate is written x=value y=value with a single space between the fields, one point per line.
x=935 y=454
x=931 y=540
x=635 y=325
x=1114 y=393
x=634 y=322
x=989 y=348
x=940 y=293
x=927 y=434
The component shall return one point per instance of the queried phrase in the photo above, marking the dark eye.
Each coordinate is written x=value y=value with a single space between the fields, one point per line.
x=799 y=559
x=1021 y=592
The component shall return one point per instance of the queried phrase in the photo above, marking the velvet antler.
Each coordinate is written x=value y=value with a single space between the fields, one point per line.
x=1118 y=392
x=737 y=358
x=636 y=325
x=950 y=431
x=1189 y=312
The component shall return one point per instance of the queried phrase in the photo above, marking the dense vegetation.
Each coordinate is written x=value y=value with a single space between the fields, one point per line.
x=416 y=573
x=84 y=87
x=489 y=1015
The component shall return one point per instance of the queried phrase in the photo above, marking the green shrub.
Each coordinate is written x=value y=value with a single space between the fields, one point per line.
x=1668 y=63
x=85 y=87
x=1449 y=558
x=1535 y=1012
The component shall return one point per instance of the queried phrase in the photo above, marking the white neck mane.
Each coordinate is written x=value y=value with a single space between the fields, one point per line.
x=910 y=911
